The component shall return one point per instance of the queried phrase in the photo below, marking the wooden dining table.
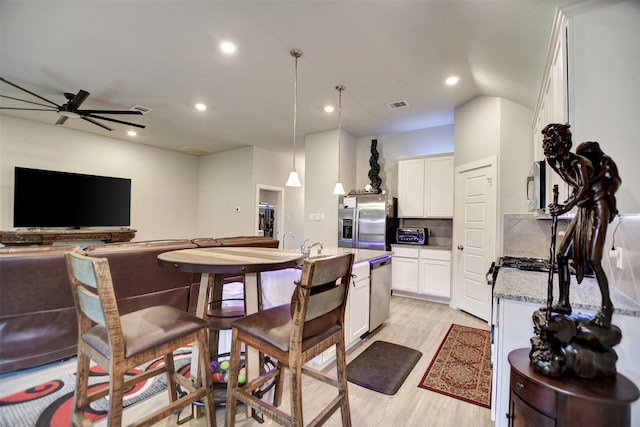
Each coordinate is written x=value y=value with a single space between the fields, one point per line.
x=217 y=262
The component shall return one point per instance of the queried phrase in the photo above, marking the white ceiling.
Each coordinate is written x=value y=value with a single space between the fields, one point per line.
x=164 y=55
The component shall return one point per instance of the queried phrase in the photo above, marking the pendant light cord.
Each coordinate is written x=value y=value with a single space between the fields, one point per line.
x=296 y=53
x=339 y=88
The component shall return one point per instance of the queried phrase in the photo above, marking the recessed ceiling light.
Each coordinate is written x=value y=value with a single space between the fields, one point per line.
x=452 y=80
x=200 y=106
x=228 y=47
x=329 y=109
x=132 y=133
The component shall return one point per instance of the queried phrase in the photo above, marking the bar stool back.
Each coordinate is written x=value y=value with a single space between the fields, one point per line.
x=293 y=334
x=120 y=343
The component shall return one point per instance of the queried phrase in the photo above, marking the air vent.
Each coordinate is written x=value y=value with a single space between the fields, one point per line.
x=397 y=104
x=141 y=108
x=195 y=151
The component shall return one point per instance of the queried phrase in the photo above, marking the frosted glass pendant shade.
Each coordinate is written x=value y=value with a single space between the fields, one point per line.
x=339 y=189
x=294 y=179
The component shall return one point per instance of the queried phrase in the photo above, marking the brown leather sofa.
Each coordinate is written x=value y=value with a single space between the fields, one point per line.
x=37 y=315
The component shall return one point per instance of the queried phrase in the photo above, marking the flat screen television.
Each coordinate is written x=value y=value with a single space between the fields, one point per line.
x=44 y=198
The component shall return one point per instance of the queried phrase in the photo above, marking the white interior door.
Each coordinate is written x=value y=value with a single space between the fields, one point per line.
x=474 y=236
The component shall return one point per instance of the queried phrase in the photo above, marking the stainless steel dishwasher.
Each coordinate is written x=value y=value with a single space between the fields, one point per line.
x=380 y=291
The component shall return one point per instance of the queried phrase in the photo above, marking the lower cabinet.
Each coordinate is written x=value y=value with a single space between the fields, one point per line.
x=435 y=273
x=358 y=302
x=422 y=272
x=356 y=316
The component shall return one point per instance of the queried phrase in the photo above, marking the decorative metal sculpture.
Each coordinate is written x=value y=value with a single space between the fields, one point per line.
x=566 y=342
x=374 y=172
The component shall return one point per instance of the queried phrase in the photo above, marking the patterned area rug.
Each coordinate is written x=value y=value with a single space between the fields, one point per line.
x=49 y=404
x=461 y=367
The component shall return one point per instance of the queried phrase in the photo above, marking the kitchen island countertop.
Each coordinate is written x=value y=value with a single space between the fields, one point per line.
x=531 y=286
x=360 y=255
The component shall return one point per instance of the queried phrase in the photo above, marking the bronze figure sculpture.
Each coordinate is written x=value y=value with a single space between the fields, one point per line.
x=566 y=342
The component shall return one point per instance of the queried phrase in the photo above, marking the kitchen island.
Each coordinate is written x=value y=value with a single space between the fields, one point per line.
x=518 y=293
x=278 y=286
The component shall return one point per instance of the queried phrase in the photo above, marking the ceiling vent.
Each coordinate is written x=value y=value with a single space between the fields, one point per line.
x=195 y=151
x=397 y=104
x=141 y=108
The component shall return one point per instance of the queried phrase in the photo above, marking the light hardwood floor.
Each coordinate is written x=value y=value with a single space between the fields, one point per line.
x=413 y=323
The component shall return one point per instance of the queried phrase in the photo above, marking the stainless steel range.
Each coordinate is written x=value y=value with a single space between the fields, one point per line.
x=520 y=263
x=525 y=263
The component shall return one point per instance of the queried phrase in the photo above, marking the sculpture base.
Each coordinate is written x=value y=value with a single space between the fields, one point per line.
x=569 y=344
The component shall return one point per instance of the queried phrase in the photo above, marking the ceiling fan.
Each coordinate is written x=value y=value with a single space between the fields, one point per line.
x=71 y=108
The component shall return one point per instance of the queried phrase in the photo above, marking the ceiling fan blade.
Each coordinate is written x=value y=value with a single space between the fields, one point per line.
x=78 y=99
x=136 y=113
x=29 y=92
x=114 y=120
x=28 y=109
x=61 y=120
x=24 y=100
x=96 y=123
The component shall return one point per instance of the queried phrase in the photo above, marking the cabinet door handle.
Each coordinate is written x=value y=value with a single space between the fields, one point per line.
x=461 y=247
x=519 y=386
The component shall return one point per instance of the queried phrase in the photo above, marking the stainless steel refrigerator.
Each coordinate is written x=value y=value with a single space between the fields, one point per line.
x=366 y=221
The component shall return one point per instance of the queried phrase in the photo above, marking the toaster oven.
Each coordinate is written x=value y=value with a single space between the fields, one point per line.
x=412 y=235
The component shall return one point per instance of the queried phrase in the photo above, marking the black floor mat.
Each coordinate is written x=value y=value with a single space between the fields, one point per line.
x=383 y=366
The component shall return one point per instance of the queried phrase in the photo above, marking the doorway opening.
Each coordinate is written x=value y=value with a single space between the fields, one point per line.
x=269 y=219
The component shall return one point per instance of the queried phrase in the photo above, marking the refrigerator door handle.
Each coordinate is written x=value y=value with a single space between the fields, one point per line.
x=356 y=231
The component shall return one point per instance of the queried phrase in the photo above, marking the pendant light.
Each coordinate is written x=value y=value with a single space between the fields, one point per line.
x=294 y=179
x=339 y=189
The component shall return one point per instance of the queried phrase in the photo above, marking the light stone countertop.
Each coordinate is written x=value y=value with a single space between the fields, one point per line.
x=440 y=247
x=360 y=255
x=531 y=286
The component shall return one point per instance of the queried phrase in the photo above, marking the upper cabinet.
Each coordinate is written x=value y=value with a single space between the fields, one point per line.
x=425 y=187
x=553 y=100
x=591 y=82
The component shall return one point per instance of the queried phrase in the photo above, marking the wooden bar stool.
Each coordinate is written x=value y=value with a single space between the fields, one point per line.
x=293 y=334
x=120 y=343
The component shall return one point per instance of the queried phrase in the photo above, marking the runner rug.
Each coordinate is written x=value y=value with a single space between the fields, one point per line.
x=383 y=366
x=461 y=367
x=49 y=404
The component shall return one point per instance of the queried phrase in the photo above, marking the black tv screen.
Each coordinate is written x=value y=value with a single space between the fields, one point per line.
x=44 y=198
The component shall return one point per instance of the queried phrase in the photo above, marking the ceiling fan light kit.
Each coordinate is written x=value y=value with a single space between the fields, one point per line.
x=71 y=108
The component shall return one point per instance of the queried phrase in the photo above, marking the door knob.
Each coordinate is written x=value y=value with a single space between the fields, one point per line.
x=460 y=247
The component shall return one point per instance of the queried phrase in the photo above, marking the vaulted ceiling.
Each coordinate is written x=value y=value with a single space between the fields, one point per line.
x=164 y=55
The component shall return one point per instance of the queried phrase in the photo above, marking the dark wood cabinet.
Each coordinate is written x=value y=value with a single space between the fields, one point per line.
x=537 y=400
x=48 y=237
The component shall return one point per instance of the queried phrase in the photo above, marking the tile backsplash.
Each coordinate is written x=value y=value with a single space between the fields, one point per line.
x=440 y=230
x=526 y=236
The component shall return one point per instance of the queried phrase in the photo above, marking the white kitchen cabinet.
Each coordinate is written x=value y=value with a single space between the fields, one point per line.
x=439 y=187
x=425 y=187
x=422 y=273
x=357 y=315
x=411 y=188
x=404 y=269
x=435 y=273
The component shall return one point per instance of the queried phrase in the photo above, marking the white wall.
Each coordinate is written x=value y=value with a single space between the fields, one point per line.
x=604 y=64
x=164 y=196
x=421 y=142
x=477 y=130
x=491 y=126
x=272 y=169
x=226 y=194
x=515 y=157
x=321 y=167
